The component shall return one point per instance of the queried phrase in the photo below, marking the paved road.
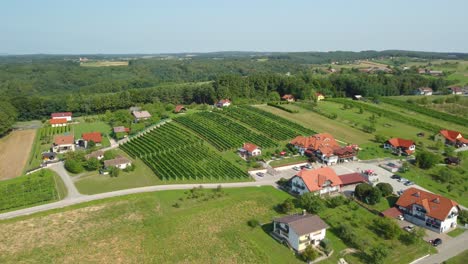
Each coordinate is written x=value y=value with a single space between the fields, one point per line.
x=79 y=198
x=447 y=250
x=73 y=193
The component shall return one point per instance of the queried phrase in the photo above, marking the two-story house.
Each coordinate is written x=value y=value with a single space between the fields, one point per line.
x=319 y=181
x=451 y=137
x=299 y=231
x=428 y=210
x=400 y=146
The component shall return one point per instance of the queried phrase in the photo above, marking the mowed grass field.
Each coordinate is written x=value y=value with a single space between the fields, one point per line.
x=14 y=152
x=96 y=126
x=147 y=228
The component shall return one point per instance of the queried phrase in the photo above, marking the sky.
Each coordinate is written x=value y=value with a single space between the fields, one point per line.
x=171 y=26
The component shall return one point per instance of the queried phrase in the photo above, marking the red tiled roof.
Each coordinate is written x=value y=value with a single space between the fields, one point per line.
x=64 y=140
x=287 y=96
x=400 y=142
x=94 y=136
x=179 y=108
x=324 y=142
x=319 y=94
x=452 y=135
x=391 y=212
x=425 y=89
x=314 y=179
x=352 y=178
x=249 y=147
x=456 y=89
x=223 y=101
x=63 y=114
x=436 y=206
x=57 y=121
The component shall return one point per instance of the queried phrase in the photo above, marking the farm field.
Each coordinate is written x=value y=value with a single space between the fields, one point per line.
x=147 y=228
x=103 y=63
x=37 y=188
x=15 y=149
x=321 y=124
x=221 y=132
x=459 y=108
x=174 y=153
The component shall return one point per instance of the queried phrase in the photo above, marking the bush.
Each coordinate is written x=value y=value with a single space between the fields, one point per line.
x=378 y=254
x=129 y=168
x=73 y=166
x=463 y=217
x=114 y=172
x=253 y=223
x=385 y=188
x=312 y=203
x=326 y=245
x=336 y=201
x=426 y=160
x=309 y=254
x=368 y=194
x=286 y=206
x=386 y=228
x=92 y=164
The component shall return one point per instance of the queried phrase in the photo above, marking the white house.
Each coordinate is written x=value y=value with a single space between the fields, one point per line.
x=423 y=91
x=141 y=115
x=319 y=181
x=119 y=162
x=250 y=150
x=400 y=146
x=224 y=103
x=299 y=231
x=98 y=154
x=66 y=115
x=63 y=144
x=58 y=122
x=428 y=210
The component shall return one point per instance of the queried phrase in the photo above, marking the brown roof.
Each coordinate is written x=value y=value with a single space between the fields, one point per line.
x=391 y=212
x=64 y=140
x=452 y=135
x=425 y=89
x=456 y=89
x=250 y=147
x=303 y=224
x=287 y=96
x=324 y=142
x=179 y=108
x=352 y=178
x=436 y=206
x=57 y=121
x=315 y=179
x=117 y=161
x=95 y=154
x=141 y=114
x=94 y=136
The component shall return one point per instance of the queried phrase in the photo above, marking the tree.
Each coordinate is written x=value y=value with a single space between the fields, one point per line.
x=380 y=139
x=309 y=253
x=286 y=206
x=445 y=175
x=449 y=151
x=374 y=196
x=361 y=191
x=274 y=96
x=426 y=160
x=92 y=164
x=91 y=144
x=386 y=228
x=114 y=172
x=73 y=166
x=8 y=115
x=312 y=203
x=385 y=188
x=378 y=254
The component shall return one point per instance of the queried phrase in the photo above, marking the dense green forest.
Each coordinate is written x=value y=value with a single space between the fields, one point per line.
x=34 y=86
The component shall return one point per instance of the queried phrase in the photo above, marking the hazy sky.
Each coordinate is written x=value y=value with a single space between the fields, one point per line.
x=144 y=26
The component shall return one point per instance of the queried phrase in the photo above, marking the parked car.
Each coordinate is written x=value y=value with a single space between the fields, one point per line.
x=409 y=228
x=409 y=183
x=260 y=174
x=397 y=177
x=400 y=217
x=403 y=180
x=308 y=166
x=436 y=242
x=296 y=168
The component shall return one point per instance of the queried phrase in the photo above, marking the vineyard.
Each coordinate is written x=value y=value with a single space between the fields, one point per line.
x=174 y=153
x=269 y=124
x=221 y=132
x=37 y=188
x=51 y=131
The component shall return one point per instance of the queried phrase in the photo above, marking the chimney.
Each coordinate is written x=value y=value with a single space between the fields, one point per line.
x=417 y=194
x=437 y=200
x=304 y=212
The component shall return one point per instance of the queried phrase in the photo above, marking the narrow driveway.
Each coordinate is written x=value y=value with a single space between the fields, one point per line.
x=60 y=170
x=447 y=250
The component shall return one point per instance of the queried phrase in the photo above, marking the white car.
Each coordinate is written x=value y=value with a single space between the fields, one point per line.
x=403 y=180
x=296 y=168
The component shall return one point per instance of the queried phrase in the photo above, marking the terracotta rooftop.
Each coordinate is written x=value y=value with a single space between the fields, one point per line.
x=436 y=206
x=250 y=147
x=62 y=114
x=324 y=142
x=120 y=129
x=453 y=136
x=94 y=136
x=57 y=121
x=400 y=142
x=287 y=96
x=352 y=178
x=316 y=179
x=179 y=108
x=64 y=140
x=303 y=224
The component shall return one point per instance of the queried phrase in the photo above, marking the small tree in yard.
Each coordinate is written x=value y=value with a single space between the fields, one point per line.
x=378 y=254
x=426 y=160
x=312 y=203
x=385 y=188
x=286 y=206
x=380 y=139
x=374 y=196
x=386 y=228
x=73 y=166
x=309 y=253
x=326 y=245
x=253 y=223
x=114 y=172
x=92 y=164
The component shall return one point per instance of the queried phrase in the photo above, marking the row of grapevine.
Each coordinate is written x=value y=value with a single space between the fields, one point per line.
x=222 y=132
x=173 y=153
x=427 y=111
x=390 y=114
x=51 y=131
x=28 y=190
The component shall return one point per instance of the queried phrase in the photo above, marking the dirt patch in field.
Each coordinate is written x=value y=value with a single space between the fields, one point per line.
x=14 y=152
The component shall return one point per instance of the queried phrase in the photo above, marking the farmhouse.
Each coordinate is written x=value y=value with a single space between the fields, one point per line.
x=455 y=90
x=99 y=154
x=318 y=181
x=179 y=109
x=288 y=98
x=299 y=231
x=451 y=137
x=63 y=144
x=223 y=103
x=400 y=146
x=66 y=115
x=141 y=115
x=119 y=162
x=429 y=210
x=423 y=91
x=96 y=137
x=250 y=150
x=58 y=122
x=121 y=129
x=357 y=97
x=319 y=96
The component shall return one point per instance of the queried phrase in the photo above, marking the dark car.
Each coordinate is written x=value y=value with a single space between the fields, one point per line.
x=409 y=183
x=397 y=177
x=436 y=242
x=260 y=174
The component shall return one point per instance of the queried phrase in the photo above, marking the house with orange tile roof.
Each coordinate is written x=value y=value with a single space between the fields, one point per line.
x=319 y=181
x=400 y=146
x=325 y=147
x=319 y=96
x=63 y=144
x=58 y=122
x=288 y=97
x=451 y=137
x=96 y=137
x=179 y=109
x=66 y=115
x=223 y=103
x=428 y=210
x=250 y=150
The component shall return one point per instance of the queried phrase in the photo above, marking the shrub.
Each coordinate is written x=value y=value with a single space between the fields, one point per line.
x=426 y=160
x=92 y=164
x=114 y=172
x=309 y=254
x=385 y=188
x=463 y=217
x=73 y=166
x=253 y=223
x=326 y=245
x=336 y=201
x=386 y=228
x=286 y=206
x=378 y=254
x=312 y=203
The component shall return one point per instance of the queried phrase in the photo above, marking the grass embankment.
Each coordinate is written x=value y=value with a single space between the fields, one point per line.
x=456 y=232
x=41 y=187
x=458 y=259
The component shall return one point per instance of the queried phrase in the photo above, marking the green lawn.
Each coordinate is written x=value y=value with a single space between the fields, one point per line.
x=385 y=203
x=459 y=259
x=288 y=161
x=373 y=150
x=147 y=228
x=456 y=232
